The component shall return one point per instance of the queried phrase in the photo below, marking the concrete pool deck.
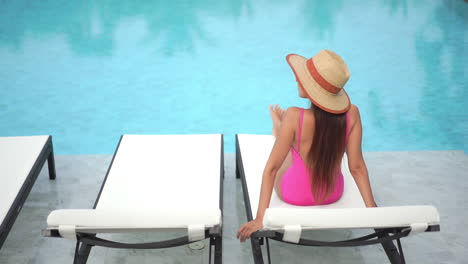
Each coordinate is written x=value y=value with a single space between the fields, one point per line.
x=398 y=178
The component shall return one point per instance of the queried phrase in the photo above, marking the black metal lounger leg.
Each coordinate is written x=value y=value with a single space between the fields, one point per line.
x=51 y=161
x=256 y=250
x=81 y=256
x=77 y=249
x=218 y=252
x=268 y=250
x=391 y=251
x=209 y=249
x=401 y=251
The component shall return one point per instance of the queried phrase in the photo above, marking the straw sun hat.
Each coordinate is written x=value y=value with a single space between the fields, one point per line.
x=323 y=78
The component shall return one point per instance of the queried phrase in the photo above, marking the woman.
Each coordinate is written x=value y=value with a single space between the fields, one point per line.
x=304 y=166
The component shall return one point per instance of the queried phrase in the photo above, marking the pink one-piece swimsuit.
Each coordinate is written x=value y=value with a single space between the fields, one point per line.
x=296 y=181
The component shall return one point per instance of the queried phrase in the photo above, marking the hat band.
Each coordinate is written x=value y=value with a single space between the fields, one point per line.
x=319 y=79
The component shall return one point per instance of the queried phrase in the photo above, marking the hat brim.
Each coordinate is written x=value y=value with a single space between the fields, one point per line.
x=333 y=103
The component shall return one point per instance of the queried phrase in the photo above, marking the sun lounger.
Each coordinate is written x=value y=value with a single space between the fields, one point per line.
x=154 y=183
x=21 y=161
x=285 y=223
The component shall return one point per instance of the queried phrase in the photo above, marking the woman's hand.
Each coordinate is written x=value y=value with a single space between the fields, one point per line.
x=248 y=228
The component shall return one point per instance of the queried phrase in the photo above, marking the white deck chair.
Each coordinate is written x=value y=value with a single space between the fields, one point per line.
x=21 y=161
x=154 y=183
x=284 y=222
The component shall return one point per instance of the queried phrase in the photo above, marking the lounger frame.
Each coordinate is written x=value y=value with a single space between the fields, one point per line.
x=380 y=236
x=86 y=241
x=46 y=154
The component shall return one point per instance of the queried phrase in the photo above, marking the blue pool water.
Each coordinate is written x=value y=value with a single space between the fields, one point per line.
x=88 y=71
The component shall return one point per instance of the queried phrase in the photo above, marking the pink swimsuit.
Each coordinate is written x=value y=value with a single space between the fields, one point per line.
x=296 y=185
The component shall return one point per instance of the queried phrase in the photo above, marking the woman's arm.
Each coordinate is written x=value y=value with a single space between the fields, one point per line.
x=356 y=163
x=279 y=152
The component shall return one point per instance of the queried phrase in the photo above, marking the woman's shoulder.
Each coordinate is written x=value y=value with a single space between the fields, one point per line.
x=353 y=110
x=353 y=114
x=291 y=115
x=294 y=110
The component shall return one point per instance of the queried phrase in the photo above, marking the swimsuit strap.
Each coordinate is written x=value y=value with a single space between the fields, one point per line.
x=300 y=130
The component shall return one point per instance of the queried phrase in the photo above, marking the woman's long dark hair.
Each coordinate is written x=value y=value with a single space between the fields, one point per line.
x=326 y=152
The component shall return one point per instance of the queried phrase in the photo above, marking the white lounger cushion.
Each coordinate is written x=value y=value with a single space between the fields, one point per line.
x=17 y=157
x=379 y=217
x=153 y=171
x=102 y=221
x=348 y=212
x=172 y=180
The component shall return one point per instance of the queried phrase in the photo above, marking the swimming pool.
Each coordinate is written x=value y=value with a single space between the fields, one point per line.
x=87 y=72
